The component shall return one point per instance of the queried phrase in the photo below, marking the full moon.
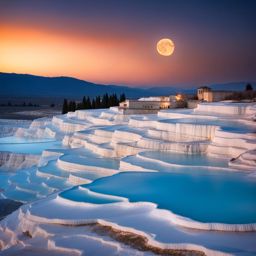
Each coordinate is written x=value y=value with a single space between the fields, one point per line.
x=165 y=47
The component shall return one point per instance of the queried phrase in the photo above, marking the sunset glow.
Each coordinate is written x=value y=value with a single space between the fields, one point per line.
x=104 y=45
x=127 y=127
x=43 y=52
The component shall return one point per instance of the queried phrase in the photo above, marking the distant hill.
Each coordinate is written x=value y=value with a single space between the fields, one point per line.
x=38 y=87
x=235 y=86
x=20 y=85
x=232 y=86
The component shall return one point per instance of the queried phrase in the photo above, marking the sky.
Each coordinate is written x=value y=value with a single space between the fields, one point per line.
x=114 y=41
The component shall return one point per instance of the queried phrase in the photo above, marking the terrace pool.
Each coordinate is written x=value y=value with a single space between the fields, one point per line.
x=81 y=194
x=26 y=145
x=185 y=159
x=203 y=196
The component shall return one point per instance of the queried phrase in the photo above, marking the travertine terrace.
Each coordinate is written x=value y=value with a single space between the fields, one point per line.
x=71 y=152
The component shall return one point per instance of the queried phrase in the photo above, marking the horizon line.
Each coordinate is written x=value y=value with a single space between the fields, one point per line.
x=191 y=86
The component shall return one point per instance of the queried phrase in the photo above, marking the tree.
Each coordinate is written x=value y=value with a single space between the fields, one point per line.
x=93 y=105
x=122 y=97
x=65 y=107
x=72 y=106
x=98 y=102
x=116 y=100
x=113 y=100
x=79 y=106
x=88 y=103
x=84 y=103
x=248 y=87
x=105 y=101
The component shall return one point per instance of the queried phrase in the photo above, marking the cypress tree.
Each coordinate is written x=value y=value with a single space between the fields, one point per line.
x=248 y=87
x=115 y=100
x=65 y=107
x=79 y=105
x=97 y=102
x=93 y=105
x=72 y=106
x=105 y=101
x=122 y=97
x=111 y=100
x=88 y=103
x=84 y=103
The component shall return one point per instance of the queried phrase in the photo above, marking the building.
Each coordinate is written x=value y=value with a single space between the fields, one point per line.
x=202 y=91
x=207 y=94
x=151 y=105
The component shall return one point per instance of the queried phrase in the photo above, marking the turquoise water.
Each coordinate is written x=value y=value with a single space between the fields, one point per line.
x=100 y=161
x=14 y=139
x=185 y=159
x=224 y=198
x=235 y=126
x=4 y=177
x=27 y=146
x=81 y=195
x=57 y=183
x=18 y=195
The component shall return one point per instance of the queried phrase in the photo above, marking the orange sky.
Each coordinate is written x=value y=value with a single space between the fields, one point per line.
x=115 y=43
x=111 y=60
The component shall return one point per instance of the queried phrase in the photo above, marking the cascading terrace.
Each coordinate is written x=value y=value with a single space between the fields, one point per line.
x=135 y=172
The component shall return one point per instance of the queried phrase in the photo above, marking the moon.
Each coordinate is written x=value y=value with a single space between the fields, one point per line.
x=165 y=47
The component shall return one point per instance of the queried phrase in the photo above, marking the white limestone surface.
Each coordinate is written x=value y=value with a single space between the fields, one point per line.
x=100 y=143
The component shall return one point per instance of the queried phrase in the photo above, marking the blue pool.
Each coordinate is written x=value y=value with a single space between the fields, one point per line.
x=27 y=146
x=185 y=159
x=80 y=194
x=206 y=197
x=14 y=140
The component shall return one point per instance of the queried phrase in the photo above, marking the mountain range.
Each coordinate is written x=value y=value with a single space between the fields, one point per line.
x=31 y=86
